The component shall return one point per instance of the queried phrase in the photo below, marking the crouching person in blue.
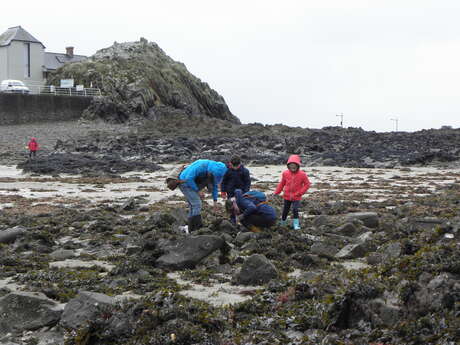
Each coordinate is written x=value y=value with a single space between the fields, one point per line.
x=198 y=175
x=236 y=177
x=254 y=212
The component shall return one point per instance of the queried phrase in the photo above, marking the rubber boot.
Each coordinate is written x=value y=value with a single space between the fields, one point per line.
x=296 y=224
x=254 y=228
x=194 y=223
x=283 y=222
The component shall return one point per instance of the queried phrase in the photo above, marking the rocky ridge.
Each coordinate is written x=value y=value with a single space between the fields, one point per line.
x=169 y=141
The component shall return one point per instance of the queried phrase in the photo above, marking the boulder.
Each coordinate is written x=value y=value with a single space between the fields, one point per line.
x=10 y=235
x=369 y=219
x=27 y=311
x=321 y=220
x=244 y=237
x=188 y=252
x=352 y=251
x=256 y=270
x=392 y=250
x=62 y=254
x=86 y=306
x=348 y=229
x=323 y=249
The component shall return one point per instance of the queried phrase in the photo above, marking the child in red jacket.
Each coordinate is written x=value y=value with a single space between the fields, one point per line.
x=295 y=183
x=33 y=147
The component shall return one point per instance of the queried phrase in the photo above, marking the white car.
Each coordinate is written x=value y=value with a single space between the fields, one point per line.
x=13 y=86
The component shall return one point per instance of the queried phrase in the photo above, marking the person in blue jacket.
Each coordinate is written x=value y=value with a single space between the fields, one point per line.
x=198 y=175
x=236 y=177
x=253 y=213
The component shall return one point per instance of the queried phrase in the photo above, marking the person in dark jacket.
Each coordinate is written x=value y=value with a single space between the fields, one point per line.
x=236 y=177
x=198 y=175
x=252 y=213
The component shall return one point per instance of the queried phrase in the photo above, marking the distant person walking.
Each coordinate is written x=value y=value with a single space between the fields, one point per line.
x=195 y=177
x=33 y=148
x=294 y=182
x=236 y=177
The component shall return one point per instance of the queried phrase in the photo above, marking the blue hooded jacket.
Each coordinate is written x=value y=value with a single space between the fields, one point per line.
x=201 y=168
x=248 y=207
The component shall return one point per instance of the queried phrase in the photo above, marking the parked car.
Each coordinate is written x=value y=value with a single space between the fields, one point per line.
x=13 y=86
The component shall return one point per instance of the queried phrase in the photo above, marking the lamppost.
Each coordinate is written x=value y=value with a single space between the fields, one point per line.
x=396 y=123
x=341 y=119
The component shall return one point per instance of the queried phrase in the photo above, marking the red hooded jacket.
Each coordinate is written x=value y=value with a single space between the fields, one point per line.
x=294 y=184
x=33 y=145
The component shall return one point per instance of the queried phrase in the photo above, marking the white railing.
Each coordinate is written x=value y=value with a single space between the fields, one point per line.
x=67 y=91
x=38 y=88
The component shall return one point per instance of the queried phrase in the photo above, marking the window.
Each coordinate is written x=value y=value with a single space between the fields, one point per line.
x=27 y=60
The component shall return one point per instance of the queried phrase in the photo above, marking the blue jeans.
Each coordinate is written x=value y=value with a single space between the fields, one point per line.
x=193 y=199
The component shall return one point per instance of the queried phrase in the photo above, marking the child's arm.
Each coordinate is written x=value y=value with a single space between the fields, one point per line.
x=281 y=185
x=305 y=185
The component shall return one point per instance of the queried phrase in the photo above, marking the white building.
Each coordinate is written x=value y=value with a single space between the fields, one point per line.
x=23 y=57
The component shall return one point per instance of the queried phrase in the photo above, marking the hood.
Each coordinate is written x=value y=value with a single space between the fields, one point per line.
x=33 y=139
x=294 y=159
x=218 y=170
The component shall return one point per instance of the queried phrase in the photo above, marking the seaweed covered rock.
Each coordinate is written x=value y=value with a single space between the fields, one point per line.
x=188 y=252
x=23 y=311
x=83 y=308
x=257 y=269
x=139 y=78
x=68 y=163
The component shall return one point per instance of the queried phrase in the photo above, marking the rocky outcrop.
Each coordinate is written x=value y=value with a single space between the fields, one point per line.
x=139 y=78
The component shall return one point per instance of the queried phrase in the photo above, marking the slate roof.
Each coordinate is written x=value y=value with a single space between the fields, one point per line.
x=55 y=60
x=17 y=33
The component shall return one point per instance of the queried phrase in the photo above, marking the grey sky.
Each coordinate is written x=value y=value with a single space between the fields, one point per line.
x=294 y=62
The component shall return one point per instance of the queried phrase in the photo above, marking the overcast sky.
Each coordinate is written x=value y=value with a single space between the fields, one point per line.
x=298 y=62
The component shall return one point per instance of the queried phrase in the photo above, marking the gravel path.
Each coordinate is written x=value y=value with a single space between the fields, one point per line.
x=14 y=138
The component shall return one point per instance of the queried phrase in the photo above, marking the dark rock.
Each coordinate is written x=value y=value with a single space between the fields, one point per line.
x=256 y=270
x=244 y=237
x=85 y=307
x=321 y=220
x=352 y=251
x=385 y=313
x=10 y=235
x=347 y=229
x=323 y=249
x=188 y=252
x=392 y=250
x=62 y=254
x=23 y=311
x=369 y=219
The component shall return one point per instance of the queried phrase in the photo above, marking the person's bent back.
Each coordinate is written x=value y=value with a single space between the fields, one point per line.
x=254 y=212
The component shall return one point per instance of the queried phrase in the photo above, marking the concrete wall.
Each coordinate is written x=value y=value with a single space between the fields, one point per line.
x=18 y=108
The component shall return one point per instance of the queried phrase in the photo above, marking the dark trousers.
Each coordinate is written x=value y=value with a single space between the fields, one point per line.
x=287 y=206
x=258 y=220
x=32 y=154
